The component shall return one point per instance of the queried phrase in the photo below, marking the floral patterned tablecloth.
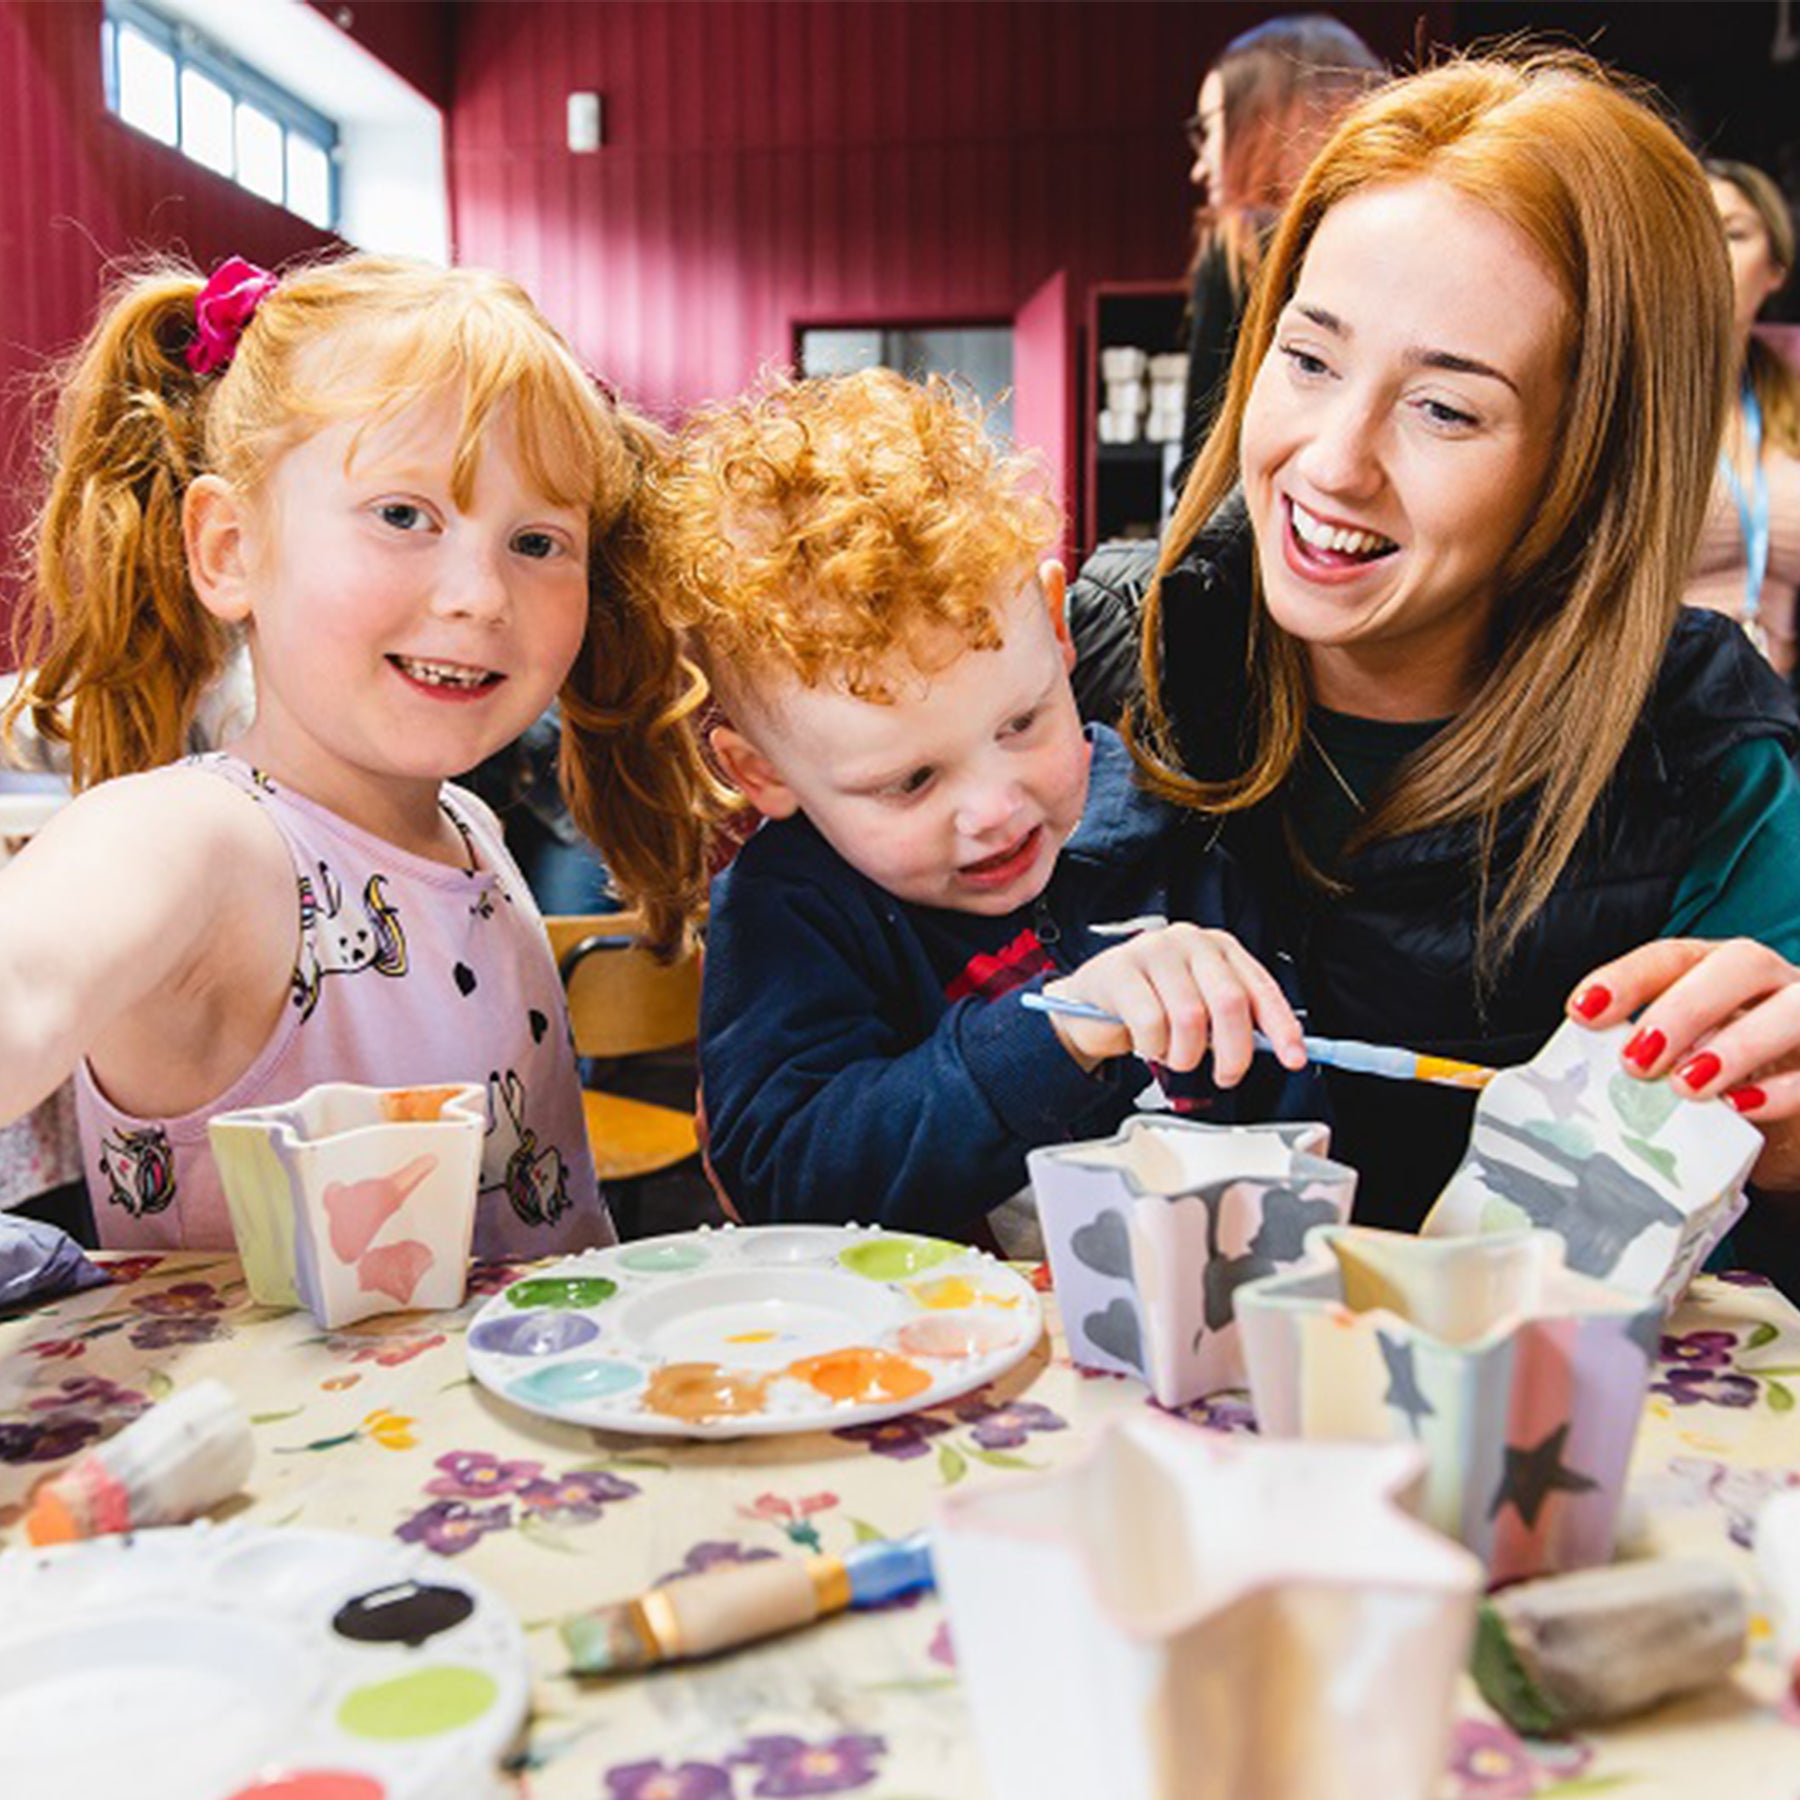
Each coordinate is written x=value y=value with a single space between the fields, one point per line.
x=379 y=1429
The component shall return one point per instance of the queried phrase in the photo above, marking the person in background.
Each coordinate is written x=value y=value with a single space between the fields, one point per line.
x=522 y=784
x=398 y=486
x=1430 y=673
x=1747 y=563
x=863 y=575
x=1262 y=112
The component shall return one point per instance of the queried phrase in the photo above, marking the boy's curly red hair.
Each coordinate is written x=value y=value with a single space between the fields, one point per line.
x=812 y=528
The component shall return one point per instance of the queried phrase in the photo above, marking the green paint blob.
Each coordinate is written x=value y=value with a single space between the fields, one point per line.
x=426 y=1703
x=662 y=1259
x=573 y=1291
x=895 y=1258
x=1643 y=1107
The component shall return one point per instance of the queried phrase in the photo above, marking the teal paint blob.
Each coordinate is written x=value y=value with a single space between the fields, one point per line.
x=662 y=1259
x=570 y=1383
x=574 y=1291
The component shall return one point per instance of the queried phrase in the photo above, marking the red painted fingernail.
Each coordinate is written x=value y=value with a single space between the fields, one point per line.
x=1745 y=1099
x=1698 y=1070
x=1646 y=1047
x=1592 y=1001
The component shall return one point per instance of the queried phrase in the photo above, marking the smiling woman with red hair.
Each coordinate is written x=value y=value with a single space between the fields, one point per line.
x=1438 y=687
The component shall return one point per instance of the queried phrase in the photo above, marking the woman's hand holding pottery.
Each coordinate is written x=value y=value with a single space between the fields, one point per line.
x=1718 y=1019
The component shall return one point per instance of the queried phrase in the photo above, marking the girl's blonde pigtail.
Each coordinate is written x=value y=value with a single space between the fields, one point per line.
x=116 y=646
x=633 y=766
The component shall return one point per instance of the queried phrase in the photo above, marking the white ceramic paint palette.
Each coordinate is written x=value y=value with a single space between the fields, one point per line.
x=754 y=1330
x=238 y=1663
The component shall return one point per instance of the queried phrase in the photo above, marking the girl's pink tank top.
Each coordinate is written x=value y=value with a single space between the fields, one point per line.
x=408 y=973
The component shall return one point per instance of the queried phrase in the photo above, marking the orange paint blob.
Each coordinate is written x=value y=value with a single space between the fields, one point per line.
x=861 y=1374
x=411 y=1105
x=703 y=1390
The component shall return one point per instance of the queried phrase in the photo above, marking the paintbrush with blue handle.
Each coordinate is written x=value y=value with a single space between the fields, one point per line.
x=1387 y=1060
x=719 y=1609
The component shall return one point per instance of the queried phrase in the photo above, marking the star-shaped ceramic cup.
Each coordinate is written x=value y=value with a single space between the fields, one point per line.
x=1188 y=1616
x=1638 y=1181
x=1521 y=1380
x=1152 y=1232
x=352 y=1200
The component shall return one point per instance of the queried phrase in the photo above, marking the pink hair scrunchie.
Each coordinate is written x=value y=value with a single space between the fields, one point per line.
x=222 y=308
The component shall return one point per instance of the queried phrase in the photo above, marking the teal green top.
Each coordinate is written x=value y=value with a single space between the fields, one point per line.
x=1741 y=882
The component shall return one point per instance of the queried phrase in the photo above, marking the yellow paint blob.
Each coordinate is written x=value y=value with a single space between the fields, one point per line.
x=861 y=1374
x=949 y=1293
x=753 y=1337
x=703 y=1390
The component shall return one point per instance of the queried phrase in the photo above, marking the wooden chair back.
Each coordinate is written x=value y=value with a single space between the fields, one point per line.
x=622 y=1001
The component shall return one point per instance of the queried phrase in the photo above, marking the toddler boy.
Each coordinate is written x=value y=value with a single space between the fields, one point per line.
x=864 y=579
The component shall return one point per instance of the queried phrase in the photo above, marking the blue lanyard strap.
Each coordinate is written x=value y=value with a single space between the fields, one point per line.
x=1752 y=510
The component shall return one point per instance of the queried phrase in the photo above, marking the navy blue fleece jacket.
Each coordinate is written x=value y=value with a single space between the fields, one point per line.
x=863 y=1059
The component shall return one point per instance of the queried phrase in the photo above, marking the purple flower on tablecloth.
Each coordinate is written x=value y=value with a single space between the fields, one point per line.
x=942 y=1648
x=54 y=1349
x=451 y=1526
x=1742 y=1278
x=490 y=1277
x=130 y=1268
x=789 y=1766
x=1217 y=1412
x=902 y=1438
x=47 y=1439
x=1491 y=1762
x=95 y=1394
x=479 y=1475
x=657 y=1781
x=1006 y=1427
x=1700 y=1349
x=1710 y=1387
x=183 y=1298
x=715 y=1553
x=578 y=1496
x=166 y=1333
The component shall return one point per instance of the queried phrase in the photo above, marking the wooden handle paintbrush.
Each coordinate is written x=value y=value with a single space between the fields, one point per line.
x=719 y=1609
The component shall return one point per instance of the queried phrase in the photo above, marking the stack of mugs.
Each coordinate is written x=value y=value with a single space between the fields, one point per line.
x=1168 y=397
x=1122 y=369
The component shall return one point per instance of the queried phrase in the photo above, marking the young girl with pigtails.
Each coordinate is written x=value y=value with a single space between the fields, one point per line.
x=396 y=485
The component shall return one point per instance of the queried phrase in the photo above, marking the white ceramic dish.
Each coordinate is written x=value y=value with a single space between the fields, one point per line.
x=229 y=1662
x=754 y=1330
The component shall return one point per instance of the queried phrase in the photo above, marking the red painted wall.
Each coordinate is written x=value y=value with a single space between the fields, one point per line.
x=768 y=163
x=77 y=191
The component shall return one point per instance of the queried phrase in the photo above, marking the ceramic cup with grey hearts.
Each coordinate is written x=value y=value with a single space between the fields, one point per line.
x=1151 y=1233
x=355 y=1200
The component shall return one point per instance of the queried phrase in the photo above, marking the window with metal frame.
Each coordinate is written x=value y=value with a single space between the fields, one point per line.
x=164 y=79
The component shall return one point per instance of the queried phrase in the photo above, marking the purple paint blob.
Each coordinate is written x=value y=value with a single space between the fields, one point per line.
x=533 y=1333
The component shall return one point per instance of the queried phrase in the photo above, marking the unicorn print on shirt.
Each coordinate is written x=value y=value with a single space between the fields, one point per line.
x=140 y=1170
x=336 y=942
x=534 y=1181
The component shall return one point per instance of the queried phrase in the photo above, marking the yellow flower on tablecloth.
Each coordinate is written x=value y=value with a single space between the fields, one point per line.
x=391 y=1430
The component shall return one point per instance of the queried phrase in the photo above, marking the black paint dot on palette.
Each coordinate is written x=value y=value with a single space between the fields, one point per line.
x=539 y=1025
x=404 y=1612
x=464 y=977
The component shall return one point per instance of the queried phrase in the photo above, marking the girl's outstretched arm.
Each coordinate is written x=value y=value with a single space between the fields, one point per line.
x=150 y=927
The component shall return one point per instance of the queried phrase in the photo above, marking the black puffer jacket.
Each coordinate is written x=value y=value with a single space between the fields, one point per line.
x=1393 y=958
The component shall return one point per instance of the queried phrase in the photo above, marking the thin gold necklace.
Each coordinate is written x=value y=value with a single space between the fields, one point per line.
x=1336 y=774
